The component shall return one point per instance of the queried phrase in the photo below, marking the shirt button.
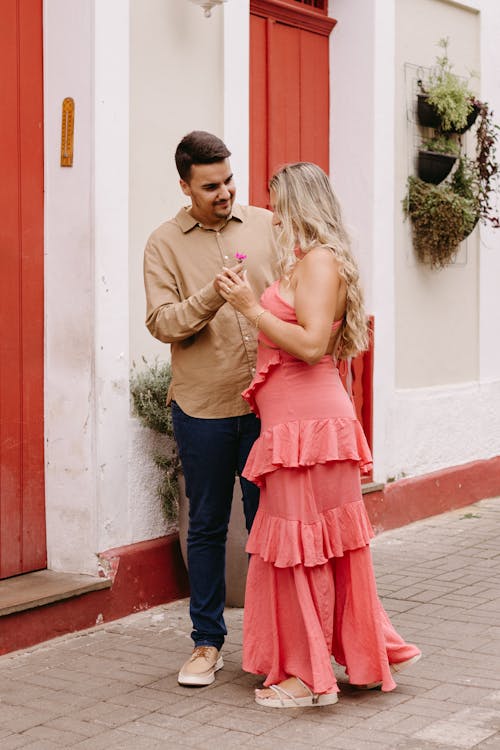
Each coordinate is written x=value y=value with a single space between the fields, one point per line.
x=226 y=257
x=246 y=338
x=253 y=370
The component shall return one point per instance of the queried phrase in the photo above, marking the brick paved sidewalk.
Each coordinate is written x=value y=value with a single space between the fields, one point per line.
x=115 y=685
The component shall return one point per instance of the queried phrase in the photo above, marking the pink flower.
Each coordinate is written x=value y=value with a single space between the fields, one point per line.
x=240 y=256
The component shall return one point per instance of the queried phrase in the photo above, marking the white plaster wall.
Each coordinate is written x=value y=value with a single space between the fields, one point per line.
x=362 y=168
x=176 y=85
x=435 y=428
x=437 y=312
x=416 y=430
x=237 y=92
x=69 y=285
x=116 y=523
x=489 y=259
x=89 y=434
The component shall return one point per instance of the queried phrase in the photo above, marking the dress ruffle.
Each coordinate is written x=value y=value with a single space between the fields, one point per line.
x=307 y=442
x=274 y=359
x=285 y=543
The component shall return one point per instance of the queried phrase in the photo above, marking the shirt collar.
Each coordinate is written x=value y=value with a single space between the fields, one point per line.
x=188 y=222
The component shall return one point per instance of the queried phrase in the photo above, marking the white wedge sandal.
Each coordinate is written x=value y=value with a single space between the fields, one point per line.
x=284 y=699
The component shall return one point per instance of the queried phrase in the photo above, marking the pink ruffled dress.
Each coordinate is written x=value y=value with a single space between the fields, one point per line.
x=311 y=590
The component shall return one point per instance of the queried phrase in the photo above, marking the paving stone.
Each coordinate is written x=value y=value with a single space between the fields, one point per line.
x=60 y=737
x=115 y=686
x=13 y=741
x=454 y=734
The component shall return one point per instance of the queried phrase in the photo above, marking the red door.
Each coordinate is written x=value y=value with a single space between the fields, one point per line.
x=289 y=88
x=290 y=120
x=22 y=512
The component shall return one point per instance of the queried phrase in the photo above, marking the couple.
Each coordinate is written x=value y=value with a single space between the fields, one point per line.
x=217 y=275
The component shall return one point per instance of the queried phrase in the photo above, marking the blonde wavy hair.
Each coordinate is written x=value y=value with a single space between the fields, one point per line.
x=310 y=216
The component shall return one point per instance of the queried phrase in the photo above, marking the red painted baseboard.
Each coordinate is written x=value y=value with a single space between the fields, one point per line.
x=407 y=500
x=152 y=572
x=143 y=575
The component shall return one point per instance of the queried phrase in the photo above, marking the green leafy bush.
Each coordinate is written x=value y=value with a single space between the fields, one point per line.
x=149 y=389
x=441 y=219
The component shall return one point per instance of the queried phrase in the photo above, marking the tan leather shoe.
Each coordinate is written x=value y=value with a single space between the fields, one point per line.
x=201 y=667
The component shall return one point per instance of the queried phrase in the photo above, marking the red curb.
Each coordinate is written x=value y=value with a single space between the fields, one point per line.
x=408 y=500
x=143 y=574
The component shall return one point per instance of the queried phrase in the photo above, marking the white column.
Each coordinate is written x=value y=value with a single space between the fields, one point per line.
x=362 y=169
x=111 y=278
x=237 y=91
x=69 y=313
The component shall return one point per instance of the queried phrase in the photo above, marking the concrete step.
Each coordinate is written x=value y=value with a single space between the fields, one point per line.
x=33 y=590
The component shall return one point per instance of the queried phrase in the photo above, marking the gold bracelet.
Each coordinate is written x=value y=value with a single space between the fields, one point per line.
x=257 y=318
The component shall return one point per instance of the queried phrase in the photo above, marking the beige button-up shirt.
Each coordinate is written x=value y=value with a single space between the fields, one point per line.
x=213 y=346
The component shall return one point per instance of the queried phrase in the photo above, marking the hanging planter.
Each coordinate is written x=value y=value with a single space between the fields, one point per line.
x=434 y=167
x=441 y=219
x=427 y=114
x=436 y=158
x=429 y=117
x=445 y=209
x=445 y=101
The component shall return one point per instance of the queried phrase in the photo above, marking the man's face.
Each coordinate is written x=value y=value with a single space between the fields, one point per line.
x=212 y=190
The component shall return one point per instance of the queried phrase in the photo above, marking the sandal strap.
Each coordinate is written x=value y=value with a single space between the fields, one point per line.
x=301 y=682
x=280 y=692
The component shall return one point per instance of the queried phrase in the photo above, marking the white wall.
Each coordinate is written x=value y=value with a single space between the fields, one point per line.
x=362 y=168
x=176 y=85
x=437 y=312
x=417 y=429
x=489 y=259
x=88 y=505
x=69 y=286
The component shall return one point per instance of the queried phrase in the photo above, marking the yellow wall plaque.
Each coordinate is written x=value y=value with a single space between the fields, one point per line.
x=67 y=129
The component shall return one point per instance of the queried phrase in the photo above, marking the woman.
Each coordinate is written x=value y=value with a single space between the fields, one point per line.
x=311 y=591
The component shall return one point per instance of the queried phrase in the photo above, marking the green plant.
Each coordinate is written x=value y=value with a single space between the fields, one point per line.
x=441 y=144
x=449 y=94
x=441 y=219
x=149 y=389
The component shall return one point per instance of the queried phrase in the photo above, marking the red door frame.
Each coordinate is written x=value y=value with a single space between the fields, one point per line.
x=22 y=500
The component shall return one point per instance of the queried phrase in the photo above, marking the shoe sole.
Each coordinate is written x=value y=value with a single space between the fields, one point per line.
x=308 y=701
x=200 y=680
x=403 y=664
x=395 y=668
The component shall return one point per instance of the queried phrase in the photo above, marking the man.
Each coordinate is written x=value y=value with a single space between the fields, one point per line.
x=213 y=361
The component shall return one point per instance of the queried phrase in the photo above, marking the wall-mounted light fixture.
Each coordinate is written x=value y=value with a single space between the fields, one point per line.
x=207 y=5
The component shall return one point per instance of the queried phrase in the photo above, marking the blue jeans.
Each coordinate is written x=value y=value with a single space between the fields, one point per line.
x=212 y=451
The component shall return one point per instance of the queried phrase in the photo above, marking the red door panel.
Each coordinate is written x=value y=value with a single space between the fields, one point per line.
x=22 y=507
x=289 y=90
x=314 y=99
x=258 y=112
x=284 y=76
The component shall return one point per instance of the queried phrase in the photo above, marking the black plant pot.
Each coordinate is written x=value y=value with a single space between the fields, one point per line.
x=434 y=167
x=430 y=118
x=427 y=115
x=471 y=119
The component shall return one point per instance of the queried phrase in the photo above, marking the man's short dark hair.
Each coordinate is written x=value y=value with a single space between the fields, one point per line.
x=198 y=147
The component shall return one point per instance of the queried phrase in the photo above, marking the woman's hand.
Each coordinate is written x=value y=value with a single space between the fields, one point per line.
x=236 y=290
